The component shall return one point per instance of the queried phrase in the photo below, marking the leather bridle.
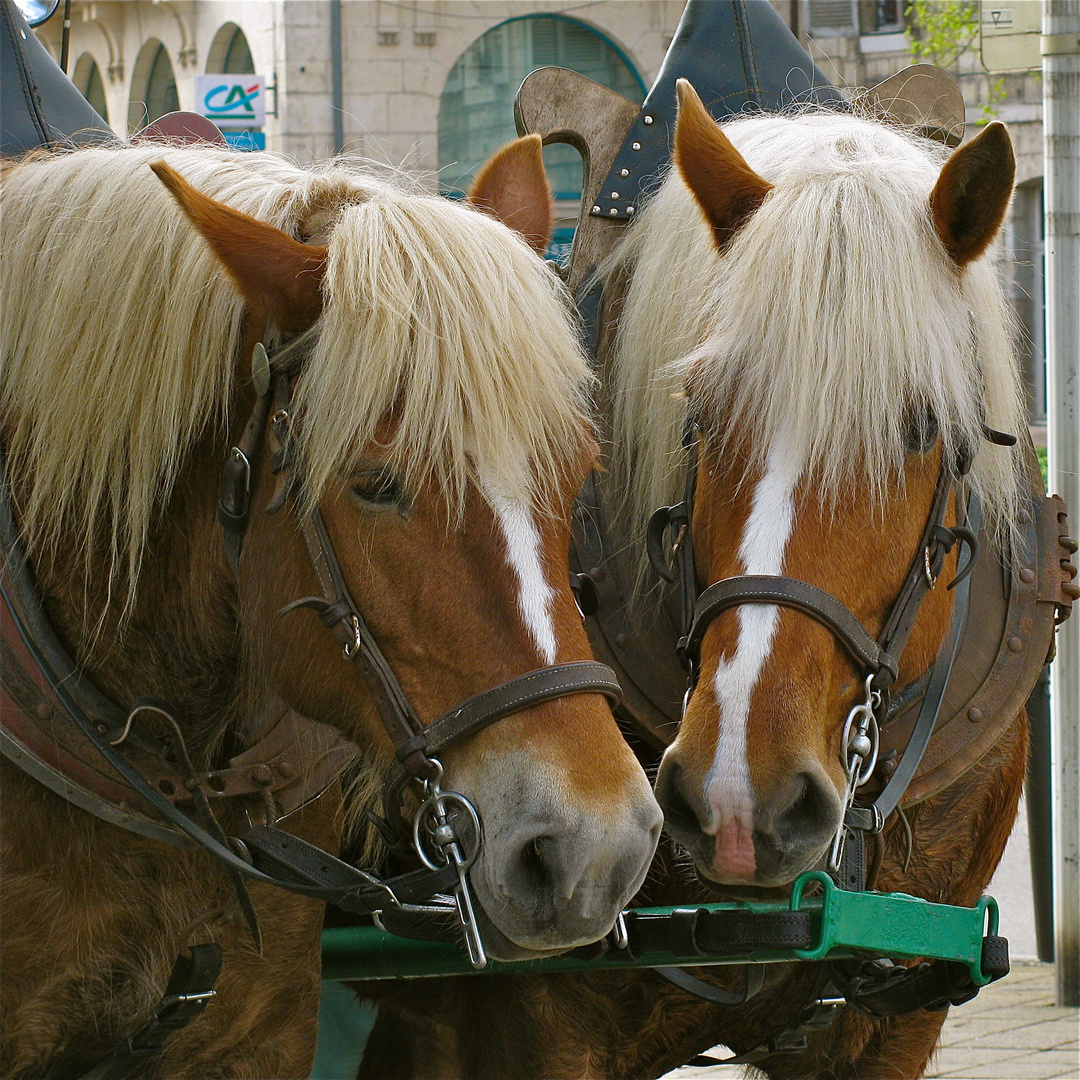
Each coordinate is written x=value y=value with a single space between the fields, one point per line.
x=435 y=833
x=445 y=832
x=876 y=658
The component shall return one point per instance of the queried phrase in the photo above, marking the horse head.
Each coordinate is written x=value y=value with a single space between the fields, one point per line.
x=425 y=401
x=851 y=350
x=450 y=523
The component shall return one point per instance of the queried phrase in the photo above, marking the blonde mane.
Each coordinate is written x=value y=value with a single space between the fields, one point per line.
x=833 y=316
x=119 y=336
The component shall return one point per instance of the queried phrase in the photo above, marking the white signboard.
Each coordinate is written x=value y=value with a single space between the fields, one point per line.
x=232 y=101
x=1010 y=35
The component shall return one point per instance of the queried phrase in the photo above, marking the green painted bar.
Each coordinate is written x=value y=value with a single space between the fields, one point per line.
x=848 y=924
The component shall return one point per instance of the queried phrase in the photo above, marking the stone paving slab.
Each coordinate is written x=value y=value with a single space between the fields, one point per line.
x=1011 y=1031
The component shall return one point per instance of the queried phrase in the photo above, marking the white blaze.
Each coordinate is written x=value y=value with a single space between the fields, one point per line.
x=535 y=594
x=761 y=551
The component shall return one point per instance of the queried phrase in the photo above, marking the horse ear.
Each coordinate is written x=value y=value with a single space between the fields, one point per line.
x=971 y=196
x=513 y=187
x=726 y=188
x=278 y=276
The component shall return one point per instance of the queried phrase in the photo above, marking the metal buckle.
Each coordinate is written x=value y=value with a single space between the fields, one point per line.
x=351 y=648
x=437 y=844
x=859 y=753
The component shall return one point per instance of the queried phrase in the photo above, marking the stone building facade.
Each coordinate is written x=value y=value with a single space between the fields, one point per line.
x=429 y=83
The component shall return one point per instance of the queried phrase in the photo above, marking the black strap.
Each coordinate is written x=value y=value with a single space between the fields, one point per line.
x=822 y=1011
x=522 y=692
x=880 y=988
x=851 y=873
x=691 y=932
x=934 y=544
x=291 y=859
x=190 y=987
x=717 y=995
x=345 y=620
x=236 y=481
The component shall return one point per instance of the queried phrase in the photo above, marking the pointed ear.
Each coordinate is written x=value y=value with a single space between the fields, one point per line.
x=513 y=187
x=278 y=276
x=726 y=188
x=971 y=196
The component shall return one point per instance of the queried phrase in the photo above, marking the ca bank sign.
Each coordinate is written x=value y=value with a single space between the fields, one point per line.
x=232 y=101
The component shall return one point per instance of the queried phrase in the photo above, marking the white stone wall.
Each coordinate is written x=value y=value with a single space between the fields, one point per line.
x=396 y=58
x=397 y=55
x=116 y=34
x=391 y=90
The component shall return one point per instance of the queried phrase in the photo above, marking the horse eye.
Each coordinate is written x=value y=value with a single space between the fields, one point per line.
x=378 y=487
x=923 y=431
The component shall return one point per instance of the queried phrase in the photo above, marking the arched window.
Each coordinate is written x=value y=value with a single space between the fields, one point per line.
x=476 y=111
x=154 y=93
x=90 y=84
x=230 y=53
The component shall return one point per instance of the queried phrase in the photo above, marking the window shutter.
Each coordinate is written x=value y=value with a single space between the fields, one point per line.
x=833 y=17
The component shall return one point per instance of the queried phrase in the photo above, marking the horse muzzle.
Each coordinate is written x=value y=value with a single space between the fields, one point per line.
x=551 y=877
x=766 y=844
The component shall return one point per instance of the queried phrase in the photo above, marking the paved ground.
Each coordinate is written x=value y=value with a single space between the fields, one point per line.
x=1012 y=1029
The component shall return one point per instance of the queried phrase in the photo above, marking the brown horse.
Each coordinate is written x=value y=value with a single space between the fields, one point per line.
x=438 y=399
x=813 y=291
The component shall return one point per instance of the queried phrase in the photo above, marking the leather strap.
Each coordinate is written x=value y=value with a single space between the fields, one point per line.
x=291 y=859
x=680 y=977
x=788 y=592
x=343 y=618
x=190 y=988
x=940 y=671
x=881 y=989
x=483 y=709
x=236 y=482
x=638 y=647
x=689 y=932
x=523 y=692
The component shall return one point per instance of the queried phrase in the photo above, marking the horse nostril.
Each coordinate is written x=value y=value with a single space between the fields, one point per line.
x=811 y=816
x=544 y=872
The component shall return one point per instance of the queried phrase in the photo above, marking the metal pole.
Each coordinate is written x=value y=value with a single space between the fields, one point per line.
x=1061 y=181
x=65 y=36
x=337 y=99
x=1038 y=792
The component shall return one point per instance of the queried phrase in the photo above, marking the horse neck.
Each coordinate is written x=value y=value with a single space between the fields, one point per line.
x=177 y=640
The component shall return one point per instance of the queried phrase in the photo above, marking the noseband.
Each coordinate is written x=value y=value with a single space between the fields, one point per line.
x=877 y=658
x=435 y=833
